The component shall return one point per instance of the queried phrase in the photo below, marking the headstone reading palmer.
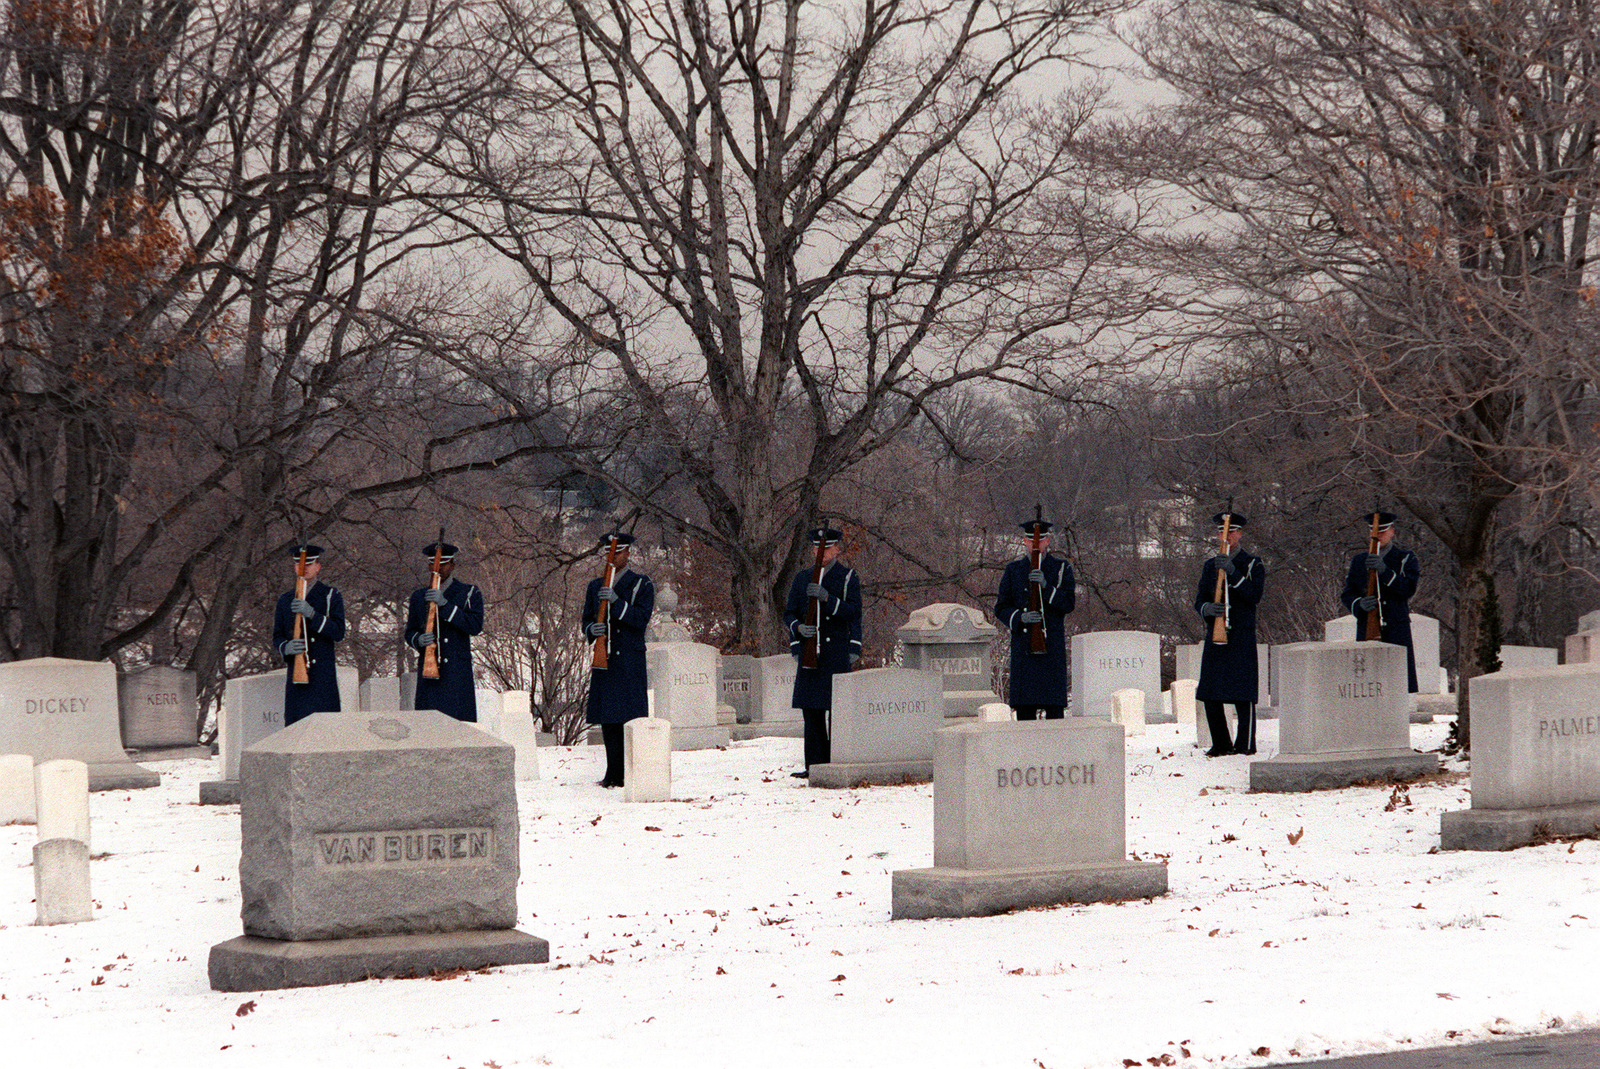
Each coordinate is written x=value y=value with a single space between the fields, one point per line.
x=1025 y=814
x=375 y=844
x=51 y=707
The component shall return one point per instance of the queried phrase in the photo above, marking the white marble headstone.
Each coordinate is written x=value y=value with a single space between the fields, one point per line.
x=1104 y=662
x=51 y=707
x=885 y=715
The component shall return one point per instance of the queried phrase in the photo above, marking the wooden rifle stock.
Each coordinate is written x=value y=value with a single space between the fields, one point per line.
x=301 y=673
x=1219 y=624
x=810 y=647
x=602 y=615
x=1374 y=629
x=430 y=653
x=1036 y=640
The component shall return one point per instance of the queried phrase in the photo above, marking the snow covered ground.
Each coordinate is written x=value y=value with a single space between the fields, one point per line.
x=747 y=924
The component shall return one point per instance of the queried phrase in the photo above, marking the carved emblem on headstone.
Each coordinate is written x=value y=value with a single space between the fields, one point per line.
x=386 y=727
x=1358 y=664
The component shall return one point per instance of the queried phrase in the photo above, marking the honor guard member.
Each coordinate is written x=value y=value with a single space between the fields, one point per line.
x=1229 y=671
x=1038 y=680
x=459 y=617
x=323 y=612
x=1398 y=571
x=838 y=639
x=618 y=692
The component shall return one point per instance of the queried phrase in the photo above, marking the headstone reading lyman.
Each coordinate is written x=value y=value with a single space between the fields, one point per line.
x=1343 y=717
x=1535 y=758
x=883 y=725
x=1104 y=662
x=953 y=642
x=51 y=708
x=375 y=844
x=158 y=712
x=1026 y=814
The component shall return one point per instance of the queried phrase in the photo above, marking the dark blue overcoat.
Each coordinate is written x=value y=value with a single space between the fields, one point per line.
x=455 y=692
x=1394 y=597
x=1037 y=678
x=321 y=694
x=1230 y=672
x=840 y=632
x=618 y=692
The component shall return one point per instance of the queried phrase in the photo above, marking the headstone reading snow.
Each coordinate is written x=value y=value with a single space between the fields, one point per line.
x=51 y=708
x=61 y=799
x=375 y=844
x=883 y=725
x=61 y=881
x=157 y=708
x=1535 y=758
x=953 y=642
x=1344 y=716
x=1127 y=709
x=683 y=676
x=1026 y=814
x=647 y=759
x=772 y=709
x=1104 y=662
x=16 y=789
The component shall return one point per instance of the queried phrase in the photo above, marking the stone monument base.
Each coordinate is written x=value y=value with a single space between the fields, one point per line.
x=1507 y=829
x=248 y=963
x=120 y=776
x=786 y=729
x=219 y=792
x=699 y=738
x=1263 y=712
x=871 y=774
x=1432 y=705
x=171 y=753
x=1287 y=773
x=945 y=892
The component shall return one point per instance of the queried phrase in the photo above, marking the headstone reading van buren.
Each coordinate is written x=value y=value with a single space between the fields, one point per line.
x=1026 y=814
x=375 y=844
x=883 y=725
x=51 y=707
x=1104 y=662
x=1344 y=716
x=954 y=642
x=1535 y=758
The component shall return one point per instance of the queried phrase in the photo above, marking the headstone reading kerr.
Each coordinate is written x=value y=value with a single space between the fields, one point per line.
x=883 y=725
x=1344 y=715
x=375 y=844
x=1535 y=758
x=1104 y=662
x=1026 y=814
x=158 y=710
x=51 y=708
x=954 y=642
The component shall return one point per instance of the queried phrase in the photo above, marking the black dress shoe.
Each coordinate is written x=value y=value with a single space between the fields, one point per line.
x=610 y=783
x=806 y=774
x=1246 y=753
x=1218 y=751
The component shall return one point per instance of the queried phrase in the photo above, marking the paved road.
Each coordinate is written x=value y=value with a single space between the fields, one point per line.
x=1567 y=1050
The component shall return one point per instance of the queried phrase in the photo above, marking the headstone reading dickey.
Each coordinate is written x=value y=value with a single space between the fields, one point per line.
x=51 y=707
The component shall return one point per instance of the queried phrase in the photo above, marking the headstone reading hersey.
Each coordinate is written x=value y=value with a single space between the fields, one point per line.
x=1535 y=758
x=1344 y=716
x=51 y=708
x=883 y=723
x=375 y=844
x=1104 y=662
x=1025 y=814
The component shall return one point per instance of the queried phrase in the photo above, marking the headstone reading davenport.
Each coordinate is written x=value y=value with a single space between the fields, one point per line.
x=772 y=710
x=1535 y=759
x=683 y=676
x=375 y=844
x=1026 y=814
x=1104 y=662
x=953 y=642
x=51 y=708
x=1344 y=716
x=157 y=709
x=883 y=725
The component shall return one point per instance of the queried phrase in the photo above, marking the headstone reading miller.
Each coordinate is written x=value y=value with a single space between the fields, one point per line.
x=1026 y=814
x=375 y=844
x=51 y=707
x=883 y=725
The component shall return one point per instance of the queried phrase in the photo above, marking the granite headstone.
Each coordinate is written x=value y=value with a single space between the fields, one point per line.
x=51 y=707
x=953 y=642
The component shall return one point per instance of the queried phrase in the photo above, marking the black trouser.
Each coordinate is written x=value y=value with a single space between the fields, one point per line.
x=611 y=735
x=1031 y=712
x=818 y=749
x=1217 y=721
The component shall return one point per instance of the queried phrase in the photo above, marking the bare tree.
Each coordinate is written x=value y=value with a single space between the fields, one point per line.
x=774 y=231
